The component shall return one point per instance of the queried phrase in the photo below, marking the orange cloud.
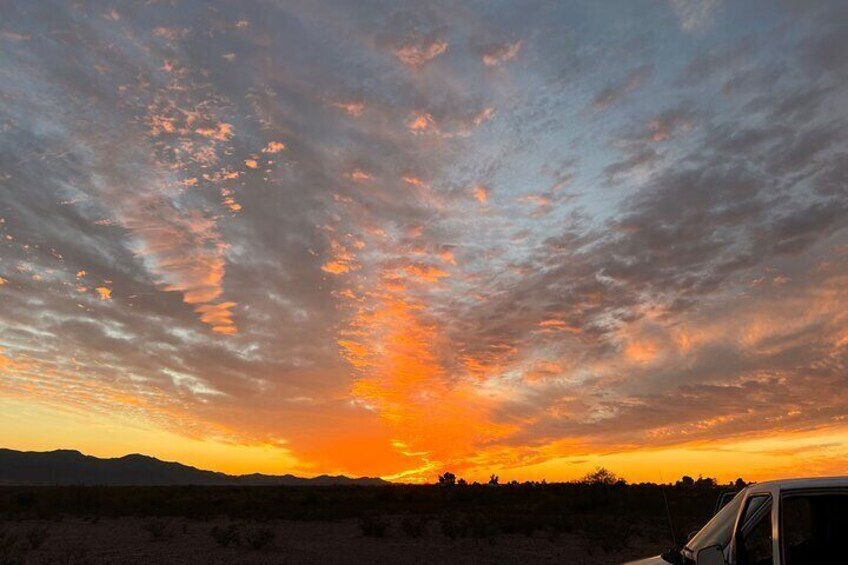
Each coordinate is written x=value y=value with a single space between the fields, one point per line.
x=414 y=181
x=541 y=370
x=229 y=201
x=251 y=163
x=404 y=382
x=641 y=351
x=447 y=256
x=420 y=123
x=501 y=54
x=426 y=273
x=170 y=33
x=274 y=147
x=415 y=55
x=341 y=260
x=218 y=316
x=484 y=116
x=358 y=175
x=105 y=293
x=6 y=363
x=481 y=193
x=221 y=132
x=553 y=324
x=354 y=109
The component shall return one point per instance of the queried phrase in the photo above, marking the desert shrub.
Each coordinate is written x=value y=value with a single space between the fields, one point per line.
x=565 y=524
x=11 y=549
x=414 y=526
x=69 y=554
x=454 y=525
x=226 y=536
x=605 y=534
x=373 y=525
x=259 y=537
x=25 y=499
x=159 y=530
x=481 y=526
x=309 y=499
x=37 y=535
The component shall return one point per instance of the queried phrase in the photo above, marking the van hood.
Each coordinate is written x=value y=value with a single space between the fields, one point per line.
x=649 y=561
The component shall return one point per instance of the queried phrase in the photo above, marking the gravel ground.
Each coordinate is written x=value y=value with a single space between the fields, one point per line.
x=129 y=541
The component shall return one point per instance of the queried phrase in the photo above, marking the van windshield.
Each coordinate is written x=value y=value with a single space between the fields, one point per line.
x=719 y=529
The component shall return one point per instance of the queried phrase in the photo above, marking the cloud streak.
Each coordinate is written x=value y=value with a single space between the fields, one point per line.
x=399 y=240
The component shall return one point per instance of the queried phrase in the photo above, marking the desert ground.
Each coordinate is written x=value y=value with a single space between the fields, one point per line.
x=119 y=541
x=399 y=524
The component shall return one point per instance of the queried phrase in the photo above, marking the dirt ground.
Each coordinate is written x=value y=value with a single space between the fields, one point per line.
x=129 y=541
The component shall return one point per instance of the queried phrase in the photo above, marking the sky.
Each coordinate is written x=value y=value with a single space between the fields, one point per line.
x=397 y=238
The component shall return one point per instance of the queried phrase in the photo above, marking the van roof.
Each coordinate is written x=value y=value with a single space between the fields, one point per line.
x=801 y=483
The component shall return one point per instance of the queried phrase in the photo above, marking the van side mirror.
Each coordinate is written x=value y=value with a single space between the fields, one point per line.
x=710 y=555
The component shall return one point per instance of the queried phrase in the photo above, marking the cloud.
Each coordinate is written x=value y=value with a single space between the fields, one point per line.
x=401 y=231
x=615 y=92
x=480 y=193
x=641 y=158
x=666 y=125
x=415 y=55
x=414 y=40
x=419 y=123
x=358 y=175
x=497 y=55
x=14 y=36
x=274 y=147
x=694 y=14
x=353 y=109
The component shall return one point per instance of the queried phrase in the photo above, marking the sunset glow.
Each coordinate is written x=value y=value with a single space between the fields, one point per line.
x=526 y=238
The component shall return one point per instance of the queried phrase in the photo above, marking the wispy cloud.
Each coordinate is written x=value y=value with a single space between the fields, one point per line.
x=336 y=233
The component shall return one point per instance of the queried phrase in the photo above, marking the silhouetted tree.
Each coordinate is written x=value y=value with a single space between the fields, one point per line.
x=686 y=481
x=462 y=482
x=448 y=479
x=493 y=480
x=740 y=484
x=705 y=482
x=602 y=476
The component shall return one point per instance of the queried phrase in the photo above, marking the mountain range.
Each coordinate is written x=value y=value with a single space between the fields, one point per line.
x=70 y=467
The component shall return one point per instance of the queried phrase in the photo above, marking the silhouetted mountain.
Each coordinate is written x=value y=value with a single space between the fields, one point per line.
x=63 y=467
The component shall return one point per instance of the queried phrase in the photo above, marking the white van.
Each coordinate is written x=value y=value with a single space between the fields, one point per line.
x=788 y=522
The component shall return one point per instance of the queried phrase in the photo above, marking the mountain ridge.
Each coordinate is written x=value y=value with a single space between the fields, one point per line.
x=72 y=467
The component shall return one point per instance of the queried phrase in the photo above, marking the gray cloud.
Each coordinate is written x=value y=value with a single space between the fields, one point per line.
x=242 y=214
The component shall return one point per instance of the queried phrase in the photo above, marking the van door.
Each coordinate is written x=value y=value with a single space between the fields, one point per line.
x=814 y=526
x=753 y=544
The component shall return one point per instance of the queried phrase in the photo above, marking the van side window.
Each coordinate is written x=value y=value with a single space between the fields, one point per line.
x=754 y=545
x=813 y=527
